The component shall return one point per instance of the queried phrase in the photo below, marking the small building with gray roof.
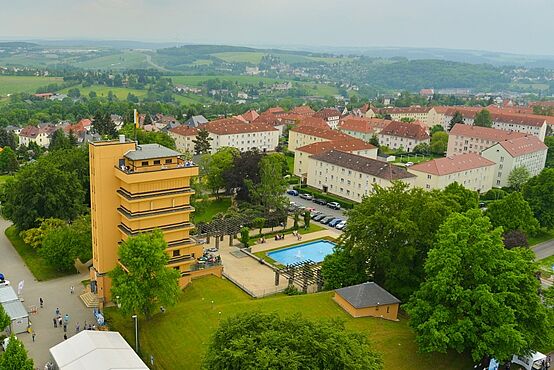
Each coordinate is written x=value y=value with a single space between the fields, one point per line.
x=368 y=299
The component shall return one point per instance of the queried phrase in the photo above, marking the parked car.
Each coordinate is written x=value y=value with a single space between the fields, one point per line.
x=319 y=201
x=292 y=192
x=333 y=205
x=314 y=214
x=326 y=220
x=335 y=222
x=341 y=225
x=306 y=196
x=320 y=217
x=408 y=164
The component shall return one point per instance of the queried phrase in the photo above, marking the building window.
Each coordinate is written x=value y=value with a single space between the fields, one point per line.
x=145 y=163
x=157 y=161
x=428 y=176
x=176 y=253
x=168 y=161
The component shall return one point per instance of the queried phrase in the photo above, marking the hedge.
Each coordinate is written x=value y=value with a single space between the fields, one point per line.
x=293 y=180
x=327 y=197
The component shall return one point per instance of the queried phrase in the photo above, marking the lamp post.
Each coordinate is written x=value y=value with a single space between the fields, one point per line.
x=135 y=319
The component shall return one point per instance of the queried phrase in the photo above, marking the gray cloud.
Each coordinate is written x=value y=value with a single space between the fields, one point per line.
x=505 y=25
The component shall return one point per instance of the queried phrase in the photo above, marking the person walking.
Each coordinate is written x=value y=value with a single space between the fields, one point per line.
x=71 y=289
x=65 y=337
x=60 y=321
x=66 y=318
x=34 y=335
x=65 y=327
x=41 y=302
x=77 y=328
x=55 y=322
x=57 y=311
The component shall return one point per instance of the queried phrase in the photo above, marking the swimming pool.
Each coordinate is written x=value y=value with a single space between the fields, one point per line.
x=315 y=251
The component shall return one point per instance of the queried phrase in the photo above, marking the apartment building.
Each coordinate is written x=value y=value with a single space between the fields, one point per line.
x=302 y=155
x=526 y=151
x=427 y=115
x=139 y=188
x=243 y=136
x=303 y=110
x=530 y=124
x=474 y=139
x=184 y=137
x=362 y=127
x=304 y=134
x=352 y=176
x=39 y=135
x=470 y=170
x=330 y=115
x=403 y=135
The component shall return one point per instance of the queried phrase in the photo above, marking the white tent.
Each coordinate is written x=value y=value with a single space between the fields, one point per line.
x=96 y=350
x=531 y=362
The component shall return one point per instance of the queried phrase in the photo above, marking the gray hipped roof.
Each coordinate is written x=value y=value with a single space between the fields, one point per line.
x=366 y=295
x=7 y=294
x=15 y=309
x=150 y=151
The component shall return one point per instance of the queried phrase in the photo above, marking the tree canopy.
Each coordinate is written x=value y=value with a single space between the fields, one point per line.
x=483 y=119
x=146 y=281
x=5 y=320
x=539 y=192
x=15 y=357
x=8 y=161
x=518 y=177
x=255 y=340
x=457 y=118
x=513 y=213
x=478 y=296
x=202 y=142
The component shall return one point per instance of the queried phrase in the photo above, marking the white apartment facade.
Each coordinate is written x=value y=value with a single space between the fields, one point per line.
x=403 y=135
x=474 y=139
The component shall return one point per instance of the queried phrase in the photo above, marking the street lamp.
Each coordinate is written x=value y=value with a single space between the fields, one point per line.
x=135 y=319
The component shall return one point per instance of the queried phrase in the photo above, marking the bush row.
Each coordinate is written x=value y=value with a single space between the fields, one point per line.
x=327 y=197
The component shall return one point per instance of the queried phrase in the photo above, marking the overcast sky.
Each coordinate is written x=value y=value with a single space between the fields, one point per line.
x=519 y=26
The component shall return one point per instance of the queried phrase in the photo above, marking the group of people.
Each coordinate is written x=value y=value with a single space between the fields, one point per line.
x=298 y=236
x=279 y=236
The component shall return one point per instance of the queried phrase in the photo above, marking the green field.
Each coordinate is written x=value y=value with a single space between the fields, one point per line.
x=198 y=80
x=178 y=338
x=102 y=91
x=123 y=60
x=320 y=89
x=240 y=57
x=28 y=84
x=214 y=207
x=39 y=268
x=255 y=57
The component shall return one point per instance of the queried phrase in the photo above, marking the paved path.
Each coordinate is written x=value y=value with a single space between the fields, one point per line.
x=545 y=249
x=55 y=294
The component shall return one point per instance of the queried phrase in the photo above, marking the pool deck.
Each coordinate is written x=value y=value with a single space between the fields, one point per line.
x=259 y=279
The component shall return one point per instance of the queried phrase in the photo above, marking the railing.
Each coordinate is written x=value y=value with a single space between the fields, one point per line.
x=204 y=266
x=158 y=167
x=182 y=225
x=161 y=193
x=132 y=215
x=178 y=259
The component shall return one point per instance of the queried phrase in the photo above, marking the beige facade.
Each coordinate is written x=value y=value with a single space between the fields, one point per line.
x=398 y=142
x=264 y=141
x=387 y=311
x=183 y=143
x=298 y=139
x=303 y=162
x=464 y=139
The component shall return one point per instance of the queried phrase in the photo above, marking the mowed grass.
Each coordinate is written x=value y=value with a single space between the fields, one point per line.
x=28 y=84
x=179 y=338
x=199 y=80
x=102 y=91
x=36 y=264
x=124 y=60
x=214 y=207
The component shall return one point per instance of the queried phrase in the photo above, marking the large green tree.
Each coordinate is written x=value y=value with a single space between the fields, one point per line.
x=539 y=192
x=8 y=161
x=549 y=141
x=483 y=119
x=7 y=139
x=439 y=142
x=459 y=198
x=145 y=282
x=217 y=164
x=103 y=125
x=457 y=118
x=518 y=177
x=269 y=193
x=478 y=296
x=148 y=137
x=15 y=357
x=42 y=190
x=513 y=213
x=255 y=340
x=59 y=140
x=202 y=141
x=5 y=320
x=390 y=232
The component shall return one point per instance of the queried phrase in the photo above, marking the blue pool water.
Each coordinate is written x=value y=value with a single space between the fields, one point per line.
x=315 y=251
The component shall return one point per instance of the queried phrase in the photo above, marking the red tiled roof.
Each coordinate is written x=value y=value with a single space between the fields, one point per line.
x=362 y=124
x=30 y=131
x=452 y=164
x=523 y=145
x=327 y=112
x=487 y=133
x=250 y=116
x=411 y=130
x=313 y=122
x=229 y=126
x=274 y=110
x=345 y=145
x=184 y=130
x=498 y=116
x=404 y=110
x=302 y=110
x=326 y=133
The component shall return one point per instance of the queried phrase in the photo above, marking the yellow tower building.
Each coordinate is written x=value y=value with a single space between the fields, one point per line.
x=138 y=188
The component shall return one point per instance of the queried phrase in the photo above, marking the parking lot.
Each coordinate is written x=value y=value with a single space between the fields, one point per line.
x=318 y=207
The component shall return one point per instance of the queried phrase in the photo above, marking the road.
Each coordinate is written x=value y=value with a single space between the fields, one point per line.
x=545 y=249
x=309 y=204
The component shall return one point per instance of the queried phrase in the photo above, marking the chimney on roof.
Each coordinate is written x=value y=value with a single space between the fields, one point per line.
x=121 y=139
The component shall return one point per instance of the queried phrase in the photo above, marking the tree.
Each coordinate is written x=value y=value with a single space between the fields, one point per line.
x=103 y=125
x=5 y=319
x=42 y=190
x=245 y=236
x=518 y=177
x=307 y=219
x=245 y=169
x=341 y=269
x=439 y=142
x=255 y=340
x=92 y=94
x=478 y=296
x=483 y=119
x=259 y=223
x=422 y=148
x=539 y=192
x=436 y=128
x=217 y=164
x=147 y=119
x=202 y=142
x=407 y=119
x=460 y=198
x=145 y=282
x=457 y=118
x=15 y=357
x=73 y=141
x=513 y=213
x=8 y=161
x=7 y=139
x=59 y=141
x=549 y=141
x=36 y=235
x=514 y=239
x=148 y=137
x=74 y=93
x=390 y=232
x=374 y=140
x=269 y=193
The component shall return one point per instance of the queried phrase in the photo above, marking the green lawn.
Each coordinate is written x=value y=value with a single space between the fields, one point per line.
x=214 y=207
x=542 y=236
x=320 y=89
x=28 y=84
x=402 y=158
x=39 y=268
x=179 y=338
x=103 y=90
x=124 y=60
x=290 y=164
x=198 y=80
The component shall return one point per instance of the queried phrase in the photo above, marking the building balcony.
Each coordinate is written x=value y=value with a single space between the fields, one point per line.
x=179 y=260
x=201 y=266
x=153 y=194
x=154 y=213
x=156 y=173
x=164 y=228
